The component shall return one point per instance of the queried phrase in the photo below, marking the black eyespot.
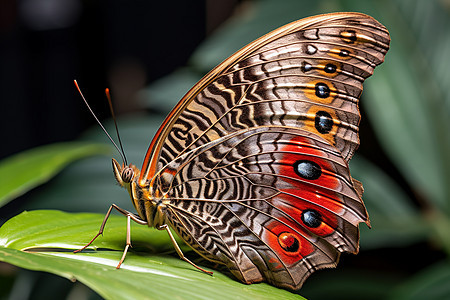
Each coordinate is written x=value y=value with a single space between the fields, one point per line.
x=127 y=174
x=307 y=169
x=311 y=218
x=289 y=242
x=323 y=122
x=349 y=36
x=344 y=53
x=322 y=90
x=330 y=68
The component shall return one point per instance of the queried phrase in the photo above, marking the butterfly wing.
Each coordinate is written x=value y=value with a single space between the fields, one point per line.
x=254 y=157
x=273 y=203
x=305 y=74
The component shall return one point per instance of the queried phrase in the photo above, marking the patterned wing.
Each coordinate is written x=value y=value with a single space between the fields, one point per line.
x=307 y=74
x=271 y=203
x=254 y=158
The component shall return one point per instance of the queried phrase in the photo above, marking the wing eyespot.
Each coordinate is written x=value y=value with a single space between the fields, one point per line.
x=306 y=67
x=311 y=49
x=330 y=68
x=307 y=169
x=289 y=242
x=348 y=36
x=323 y=122
x=340 y=53
x=322 y=90
x=344 y=53
x=311 y=218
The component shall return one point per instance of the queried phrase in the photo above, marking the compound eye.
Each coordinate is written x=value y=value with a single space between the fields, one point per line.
x=127 y=174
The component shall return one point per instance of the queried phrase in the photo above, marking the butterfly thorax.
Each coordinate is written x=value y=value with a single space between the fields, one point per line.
x=148 y=202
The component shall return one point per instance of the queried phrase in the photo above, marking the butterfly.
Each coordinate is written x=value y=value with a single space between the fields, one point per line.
x=250 y=168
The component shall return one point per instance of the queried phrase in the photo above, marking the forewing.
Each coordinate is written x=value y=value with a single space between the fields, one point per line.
x=307 y=74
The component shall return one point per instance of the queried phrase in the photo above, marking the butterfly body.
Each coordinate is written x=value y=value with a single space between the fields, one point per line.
x=251 y=167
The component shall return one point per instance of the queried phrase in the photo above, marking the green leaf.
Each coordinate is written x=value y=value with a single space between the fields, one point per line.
x=89 y=185
x=26 y=170
x=259 y=18
x=163 y=94
x=395 y=222
x=431 y=283
x=44 y=241
x=407 y=108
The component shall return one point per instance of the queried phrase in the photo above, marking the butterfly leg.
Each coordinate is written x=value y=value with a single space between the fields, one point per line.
x=130 y=216
x=177 y=248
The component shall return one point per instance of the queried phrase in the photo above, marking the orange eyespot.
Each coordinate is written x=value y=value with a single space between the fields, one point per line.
x=329 y=68
x=349 y=36
x=341 y=53
x=323 y=121
x=322 y=91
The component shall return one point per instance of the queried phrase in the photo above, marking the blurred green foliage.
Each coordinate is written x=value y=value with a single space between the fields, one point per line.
x=405 y=169
x=26 y=170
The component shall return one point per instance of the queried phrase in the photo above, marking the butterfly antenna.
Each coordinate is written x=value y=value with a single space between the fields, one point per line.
x=122 y=154
x=108 y=96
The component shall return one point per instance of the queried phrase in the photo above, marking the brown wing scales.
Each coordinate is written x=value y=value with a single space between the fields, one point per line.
x=238 y=194
x=287 y=82
x=254 y=157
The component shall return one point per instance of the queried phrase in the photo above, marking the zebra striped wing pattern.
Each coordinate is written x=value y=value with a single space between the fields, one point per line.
x=253 y=161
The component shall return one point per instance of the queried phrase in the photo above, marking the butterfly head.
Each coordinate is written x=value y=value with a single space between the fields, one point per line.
x=125 y=174
x=128 y=177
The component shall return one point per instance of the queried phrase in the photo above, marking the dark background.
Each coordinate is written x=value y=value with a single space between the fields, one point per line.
x=124 y=45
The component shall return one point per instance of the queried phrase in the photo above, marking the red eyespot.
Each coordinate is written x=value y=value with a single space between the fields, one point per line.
x=289 y=243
